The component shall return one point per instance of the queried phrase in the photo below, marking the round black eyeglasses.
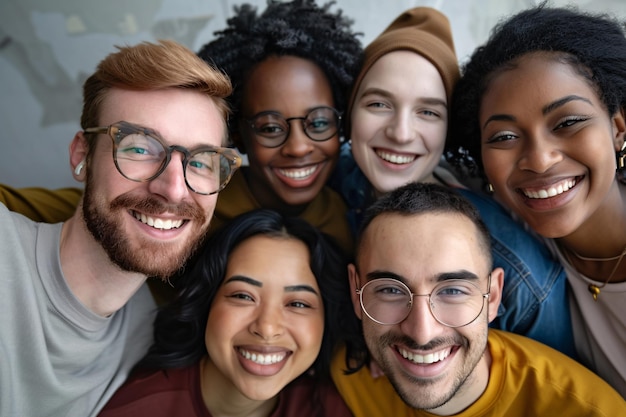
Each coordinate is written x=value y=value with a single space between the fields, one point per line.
x=271 y=129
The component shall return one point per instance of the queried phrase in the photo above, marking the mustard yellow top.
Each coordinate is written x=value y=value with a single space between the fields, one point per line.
x=41 y=204
x=527 y=379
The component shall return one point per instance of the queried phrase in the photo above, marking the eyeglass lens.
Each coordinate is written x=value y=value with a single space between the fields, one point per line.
x=454 y=303
x=272 y=129
x=141 y=157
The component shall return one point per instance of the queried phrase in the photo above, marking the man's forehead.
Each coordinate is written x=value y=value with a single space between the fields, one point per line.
x=434 y=238
x=178 y=116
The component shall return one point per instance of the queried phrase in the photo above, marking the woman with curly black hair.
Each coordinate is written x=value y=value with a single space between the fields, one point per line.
x=541 y=110
x=252 y=331
x=291 y=67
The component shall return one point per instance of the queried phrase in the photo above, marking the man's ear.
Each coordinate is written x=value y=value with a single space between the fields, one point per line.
x=78 y=156
x=353 y=277
x=495 y=292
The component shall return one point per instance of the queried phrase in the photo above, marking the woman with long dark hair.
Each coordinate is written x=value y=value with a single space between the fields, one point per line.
x=253 y=329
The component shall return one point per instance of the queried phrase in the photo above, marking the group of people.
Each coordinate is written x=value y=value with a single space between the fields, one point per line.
x=351 y=268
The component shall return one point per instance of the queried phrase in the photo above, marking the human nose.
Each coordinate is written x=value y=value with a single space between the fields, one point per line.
x=539 y=154
x=297 y=144
x=401 y=127
x=170 y=184
x=420 y=324
x=268 y=324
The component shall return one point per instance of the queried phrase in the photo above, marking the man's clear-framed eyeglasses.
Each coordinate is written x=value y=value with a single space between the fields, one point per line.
x=453 y=303
x=141 y=155
x=271 y=129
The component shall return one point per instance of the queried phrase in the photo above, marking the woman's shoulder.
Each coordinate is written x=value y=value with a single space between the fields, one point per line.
x=154 y=392
x=309 y=397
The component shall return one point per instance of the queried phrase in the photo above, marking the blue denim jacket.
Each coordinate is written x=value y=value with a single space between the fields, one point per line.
x=534 y=300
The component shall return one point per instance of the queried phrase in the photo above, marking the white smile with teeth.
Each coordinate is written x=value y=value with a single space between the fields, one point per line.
x=158 y=223
x=427 y=359
x=298 y=174
x=262 y=359
x=395 y=158
x=552 y=191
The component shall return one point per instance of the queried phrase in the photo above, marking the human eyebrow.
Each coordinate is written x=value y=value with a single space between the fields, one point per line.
x=434 y=101
x=251 y=281
x=431 y=101
x=444 y=276
x=375 y=91
x=384 y=274
x=295 y=288
x=263 y=113
x=461 y=274
x=563 y=101
x=499 y=118
x=245 y=279
x=545 y=110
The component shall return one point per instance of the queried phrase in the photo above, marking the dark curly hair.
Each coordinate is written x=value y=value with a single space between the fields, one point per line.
x=593 y=44
x=179 y=328
x=298 y=28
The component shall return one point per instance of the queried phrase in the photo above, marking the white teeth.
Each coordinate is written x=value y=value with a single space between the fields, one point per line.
x=427 y=359
x=394 y=158
x=552 y=191
x=158 y=223
x=298 y=174
x=262 y=359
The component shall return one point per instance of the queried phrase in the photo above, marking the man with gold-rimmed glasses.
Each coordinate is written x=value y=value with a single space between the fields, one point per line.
x=425 y=291
x=151 y=154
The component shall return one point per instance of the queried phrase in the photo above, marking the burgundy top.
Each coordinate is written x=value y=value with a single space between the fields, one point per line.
x=176 y=392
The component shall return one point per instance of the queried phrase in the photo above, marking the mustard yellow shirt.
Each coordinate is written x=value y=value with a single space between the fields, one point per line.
x=326 y=211
x=527 y=379
x=41 y=204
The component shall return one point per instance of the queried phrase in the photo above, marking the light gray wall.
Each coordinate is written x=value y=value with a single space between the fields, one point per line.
x=49 y=47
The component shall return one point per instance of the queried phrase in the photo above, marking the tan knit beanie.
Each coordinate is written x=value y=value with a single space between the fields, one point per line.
x=423 y=30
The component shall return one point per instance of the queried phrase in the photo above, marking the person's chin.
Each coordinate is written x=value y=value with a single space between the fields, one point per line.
x=385 y=185
x=300 y=197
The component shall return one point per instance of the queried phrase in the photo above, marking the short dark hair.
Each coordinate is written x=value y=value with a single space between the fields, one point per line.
x=593 y=44
x=179 y=327
x=409 y=200
x=421 y=198
x=297 y=28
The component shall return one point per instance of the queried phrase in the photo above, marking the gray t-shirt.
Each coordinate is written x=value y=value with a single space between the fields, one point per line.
x=58 y=358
